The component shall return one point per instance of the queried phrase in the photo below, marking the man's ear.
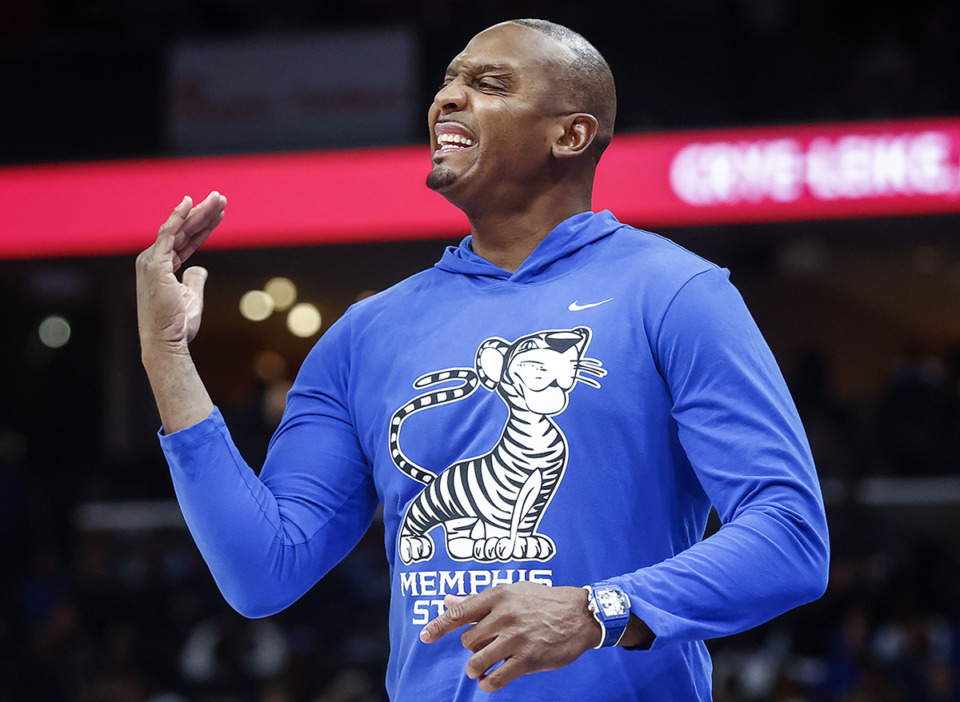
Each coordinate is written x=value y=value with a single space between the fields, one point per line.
x=579 y=131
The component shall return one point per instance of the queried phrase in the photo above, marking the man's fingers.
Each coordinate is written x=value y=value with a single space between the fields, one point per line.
x=195 y=242
x=167 y=234
x=202 y=216
x=460 y=612
x=184 y=231
x=450 y=600
x=485 y=657
x=195 y=227
x=511 y=669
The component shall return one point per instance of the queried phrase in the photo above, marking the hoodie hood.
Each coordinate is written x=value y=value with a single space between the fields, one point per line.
x=546 y=261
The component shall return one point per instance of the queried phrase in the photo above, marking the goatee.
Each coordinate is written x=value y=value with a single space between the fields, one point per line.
x=440 y=178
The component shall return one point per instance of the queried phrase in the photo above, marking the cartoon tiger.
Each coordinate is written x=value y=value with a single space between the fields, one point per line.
x=490 y=506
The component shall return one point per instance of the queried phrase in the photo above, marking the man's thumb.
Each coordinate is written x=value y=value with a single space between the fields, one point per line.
x=194 y=278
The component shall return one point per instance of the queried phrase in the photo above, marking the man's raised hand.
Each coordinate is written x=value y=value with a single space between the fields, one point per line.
x=169 y=310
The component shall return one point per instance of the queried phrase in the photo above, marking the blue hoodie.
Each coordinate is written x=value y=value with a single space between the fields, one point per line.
x=566 y=423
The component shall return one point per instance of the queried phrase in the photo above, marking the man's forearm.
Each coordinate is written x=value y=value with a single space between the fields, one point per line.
x=181 y=396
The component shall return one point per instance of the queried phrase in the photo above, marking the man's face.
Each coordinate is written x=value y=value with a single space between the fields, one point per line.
x=494 y=119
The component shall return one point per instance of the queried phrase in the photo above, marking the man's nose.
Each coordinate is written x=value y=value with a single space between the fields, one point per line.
x=450 y=97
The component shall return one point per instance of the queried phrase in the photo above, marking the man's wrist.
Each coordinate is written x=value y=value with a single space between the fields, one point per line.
x=595 y=627
x=161 y=353
x=638 y=635
x=181 y=397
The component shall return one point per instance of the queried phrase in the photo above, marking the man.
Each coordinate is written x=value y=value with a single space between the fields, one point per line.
x=557 y=402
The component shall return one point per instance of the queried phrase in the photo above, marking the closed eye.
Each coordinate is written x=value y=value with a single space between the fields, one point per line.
x=490 y=84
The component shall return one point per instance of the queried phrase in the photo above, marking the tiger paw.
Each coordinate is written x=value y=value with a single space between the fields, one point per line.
x=486 y=550
x=536 y=546
x=415 y=548
x=504 y=548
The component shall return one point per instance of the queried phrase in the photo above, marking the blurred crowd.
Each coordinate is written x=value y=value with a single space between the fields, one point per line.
x=912 y=428
x=92 y=614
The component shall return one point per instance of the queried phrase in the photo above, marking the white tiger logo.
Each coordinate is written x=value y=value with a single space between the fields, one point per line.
x=490 y=506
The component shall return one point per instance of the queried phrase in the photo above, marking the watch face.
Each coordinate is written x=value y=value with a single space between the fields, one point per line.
x=612 y=602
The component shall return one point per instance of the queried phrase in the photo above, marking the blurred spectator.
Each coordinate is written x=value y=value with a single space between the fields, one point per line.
x=917 y=419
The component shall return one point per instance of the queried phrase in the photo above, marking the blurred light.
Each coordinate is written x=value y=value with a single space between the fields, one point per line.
x=304 y=320
x=283 y=292
x=269 y=366
x=256 y=305
x=54 y=331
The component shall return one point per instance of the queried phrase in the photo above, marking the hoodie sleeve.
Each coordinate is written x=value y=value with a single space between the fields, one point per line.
x=741 y=433
x=268 y=539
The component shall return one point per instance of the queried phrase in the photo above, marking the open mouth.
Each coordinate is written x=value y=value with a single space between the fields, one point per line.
x=453 y=138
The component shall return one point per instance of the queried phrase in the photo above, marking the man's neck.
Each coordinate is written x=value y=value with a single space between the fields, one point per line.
x=506 y=239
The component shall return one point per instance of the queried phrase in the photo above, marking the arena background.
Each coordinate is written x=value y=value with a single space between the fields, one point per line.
x=102 y=594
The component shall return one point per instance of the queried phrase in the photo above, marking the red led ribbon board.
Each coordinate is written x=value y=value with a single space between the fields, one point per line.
x=810 y=172
x=786 y=173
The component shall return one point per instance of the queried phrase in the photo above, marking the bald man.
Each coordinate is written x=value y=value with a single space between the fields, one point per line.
x=546 y=416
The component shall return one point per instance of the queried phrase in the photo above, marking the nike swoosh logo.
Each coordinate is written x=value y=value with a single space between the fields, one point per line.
x=575 y=306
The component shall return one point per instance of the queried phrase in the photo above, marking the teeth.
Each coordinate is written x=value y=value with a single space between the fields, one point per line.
x=448 y=139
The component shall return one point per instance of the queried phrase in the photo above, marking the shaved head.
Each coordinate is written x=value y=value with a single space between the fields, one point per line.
x=587 y=77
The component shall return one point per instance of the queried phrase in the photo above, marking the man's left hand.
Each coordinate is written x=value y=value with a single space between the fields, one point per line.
x=529 y=627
